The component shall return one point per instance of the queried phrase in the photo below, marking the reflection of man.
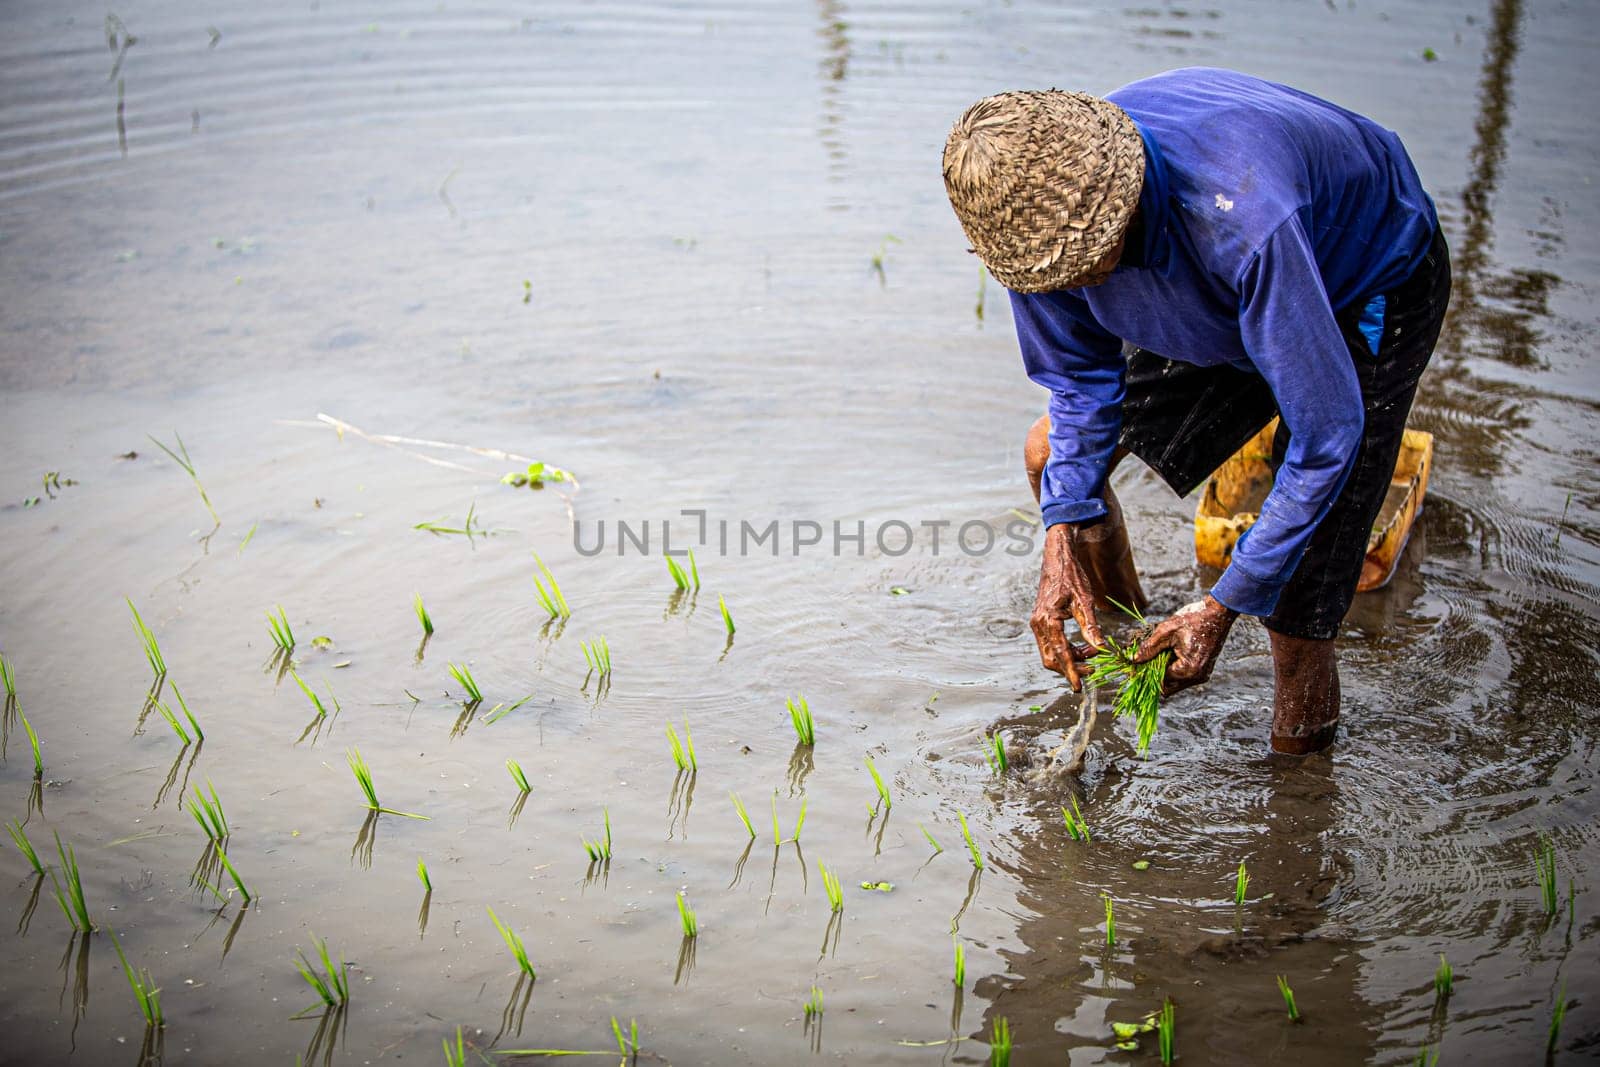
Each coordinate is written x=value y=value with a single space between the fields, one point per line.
x=1281 y=255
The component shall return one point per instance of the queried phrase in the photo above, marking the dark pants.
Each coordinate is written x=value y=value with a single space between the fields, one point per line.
x=1184 y=421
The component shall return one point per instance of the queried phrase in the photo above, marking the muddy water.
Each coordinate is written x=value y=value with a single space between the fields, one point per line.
x=638 y=241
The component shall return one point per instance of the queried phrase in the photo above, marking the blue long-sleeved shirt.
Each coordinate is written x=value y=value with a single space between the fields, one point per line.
x=1264 y=211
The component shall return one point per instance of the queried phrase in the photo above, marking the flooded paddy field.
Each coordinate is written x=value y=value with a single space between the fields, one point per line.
x=699 y=255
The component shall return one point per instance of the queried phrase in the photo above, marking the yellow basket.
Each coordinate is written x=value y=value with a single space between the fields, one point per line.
x=1234 y=493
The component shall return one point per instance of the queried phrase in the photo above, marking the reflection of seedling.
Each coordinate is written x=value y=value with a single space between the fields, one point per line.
x=1544 y=862
x=686 y=916
x=1288 y=999
x=994 y=750
x=363 y=773
x=422 y=613
x=1444 y=980
x=800 y=715
x=1000 y=1043
x=278 y=626
x=830 y=885
x=1139 y=684
x=600 y=850
x=972 y=846
x=19 y=837
x=334 y=985
x=144 y=991
x=463 y=676
x=1241 y=884
x=598 y=655
x=181 y=458
x=1077 y=827
x=550 y=596
x=514 y=943
x=881 y=255
x=744 y=816
x=682 y=751
x=877 y=781
x=152 y=651
x=727 y=620
x=71 y=898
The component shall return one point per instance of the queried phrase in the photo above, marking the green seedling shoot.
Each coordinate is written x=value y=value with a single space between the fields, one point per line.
x=994 y=750
x=937 y=848
x=1000 y=1043
x=727 y=619
x=152 y=650
x=972 y=846
x=831 y=886
x=1164 y=1028
x=331 y=984
x=1444 y=980
x=744 y=816
x=363 y=773
x=422 y=876
x=686 y=916
x=181 y=458
x=518 y=776
x=145 y=993
x=600 y=851
x=805 y=728
x=1077 y=828
x=278 y=627
x=1241 y=884
x=71 y=897
x=464 y=678
x=682 y=751
x=877 y=781
x=1288 y=999
x=549 y=592
x=19 y=837
x=33 y=742
x=514 y=943
x=1544 y=862
x=1111 y=922
x=207 y=812
x=1139 y=684
x=813 y=1003
x=961 y=965
x=598 y=655
x=422 y=614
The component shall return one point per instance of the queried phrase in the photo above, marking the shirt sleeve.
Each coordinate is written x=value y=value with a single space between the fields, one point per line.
x=1290 y=334
x=1065 y=350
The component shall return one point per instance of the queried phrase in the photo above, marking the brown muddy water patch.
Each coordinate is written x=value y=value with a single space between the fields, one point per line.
x=335 y=210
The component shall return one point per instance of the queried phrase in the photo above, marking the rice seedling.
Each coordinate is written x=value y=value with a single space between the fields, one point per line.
x=877 y=781
x=937 y=848
x=744 y=816
x=278 y=627
x=422 y=876
x=1444 y=980
x=813 y=1003
x=805 y=728
x=727 y=619
x=1544 y=862
x=456 y=1056
x=549 y=592
x=514 y=943
x=8 y=678
x=518 y=776
x=463 y=676
x=1558 y=1013
x=799 y=821
x=1077 y=827
x=172 y=721
x=1138 y=684
x=19 y=837
x=181 y=458
x=831 y=886
x=994 y=750
x=881 y=255
x=687 y=917
x=1000 y=1043
x=598 y=655
x=466 y=529
x=152 y=650
x=1288 y=999
x=331 y=983
x=1426 y=1057
x=71 y=898
x=682 y=751
x=961 y=965
x=1111 y=922
x=316 y=701
x=1164 y=1027
x=600 y=851
x=1241 y=884
x=233 y=872
x=33 y=741
x=207 y=812
x=145 y=992
x=422 y=614
x=629 y=1046
x=680 y=577
x=200 y=735
x=363 y=773
x=1564 y=507
x=972 y=846
x=245 y=541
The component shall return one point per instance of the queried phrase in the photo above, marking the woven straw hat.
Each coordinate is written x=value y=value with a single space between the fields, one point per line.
x=1044 y=184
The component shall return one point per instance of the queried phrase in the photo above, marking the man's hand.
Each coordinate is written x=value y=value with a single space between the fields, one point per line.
x=1064 y=592
x=1194 y=636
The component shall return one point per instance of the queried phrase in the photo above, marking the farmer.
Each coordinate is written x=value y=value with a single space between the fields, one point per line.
x=1194 y=254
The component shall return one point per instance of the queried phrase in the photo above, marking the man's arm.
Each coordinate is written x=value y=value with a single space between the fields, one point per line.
x=1067 y=352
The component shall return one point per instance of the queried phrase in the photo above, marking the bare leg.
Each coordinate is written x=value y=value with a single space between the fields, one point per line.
x=1109 y=555
x=1305 y=711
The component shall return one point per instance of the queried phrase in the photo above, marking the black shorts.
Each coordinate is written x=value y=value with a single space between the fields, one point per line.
x=1184 y=421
